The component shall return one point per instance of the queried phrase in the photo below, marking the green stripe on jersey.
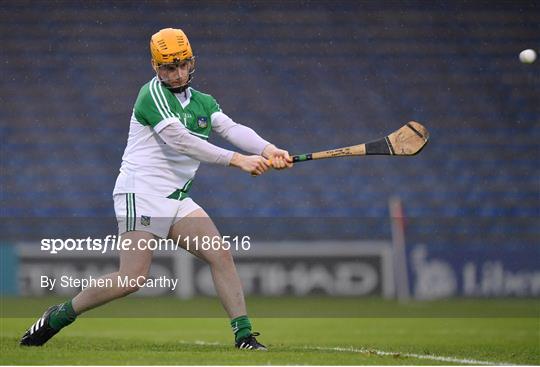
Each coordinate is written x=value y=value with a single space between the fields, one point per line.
x=182 y=193
x=156 y=103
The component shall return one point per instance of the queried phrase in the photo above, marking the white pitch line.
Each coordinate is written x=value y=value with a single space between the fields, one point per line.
x=430 y=357
x=200 y=342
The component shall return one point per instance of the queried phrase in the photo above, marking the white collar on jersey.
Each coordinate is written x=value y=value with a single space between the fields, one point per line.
x=184 y=97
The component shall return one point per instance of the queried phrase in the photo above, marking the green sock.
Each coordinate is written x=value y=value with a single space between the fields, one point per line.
x=241 y=327
x=64 y=316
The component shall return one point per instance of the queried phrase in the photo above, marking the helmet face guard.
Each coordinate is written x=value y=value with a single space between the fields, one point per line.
x=176 y=75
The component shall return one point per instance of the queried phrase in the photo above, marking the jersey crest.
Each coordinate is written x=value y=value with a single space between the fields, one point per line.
x=202 y=122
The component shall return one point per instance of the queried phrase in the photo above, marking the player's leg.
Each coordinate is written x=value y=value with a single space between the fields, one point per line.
x=134 y=263
x=226 y=280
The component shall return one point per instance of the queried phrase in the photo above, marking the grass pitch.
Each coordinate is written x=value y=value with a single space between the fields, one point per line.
x=101 y=338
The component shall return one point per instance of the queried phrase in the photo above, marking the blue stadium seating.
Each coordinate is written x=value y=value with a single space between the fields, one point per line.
x=307 y=76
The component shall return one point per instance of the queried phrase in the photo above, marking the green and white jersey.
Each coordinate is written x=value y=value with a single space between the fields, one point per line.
x=149 y=166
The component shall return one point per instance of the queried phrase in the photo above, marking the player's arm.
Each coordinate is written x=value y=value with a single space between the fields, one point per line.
x=248 y=140
x=177 y=136
x=152 y=108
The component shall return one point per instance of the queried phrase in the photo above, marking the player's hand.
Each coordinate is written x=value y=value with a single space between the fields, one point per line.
x=279 y=158
x=254 y=164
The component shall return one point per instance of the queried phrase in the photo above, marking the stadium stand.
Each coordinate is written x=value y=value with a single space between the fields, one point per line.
x=305 y=75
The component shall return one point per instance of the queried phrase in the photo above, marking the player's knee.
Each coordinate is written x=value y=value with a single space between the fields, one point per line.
x=220 y=258
x=131 y=283
x=127 y=290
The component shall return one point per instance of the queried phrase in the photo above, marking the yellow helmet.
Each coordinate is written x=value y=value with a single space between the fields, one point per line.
x=170 y=45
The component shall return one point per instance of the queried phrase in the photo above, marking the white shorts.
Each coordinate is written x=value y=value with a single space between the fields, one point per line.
x=149 y=213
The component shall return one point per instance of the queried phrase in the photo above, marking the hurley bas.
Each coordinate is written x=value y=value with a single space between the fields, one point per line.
x=121 y=281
